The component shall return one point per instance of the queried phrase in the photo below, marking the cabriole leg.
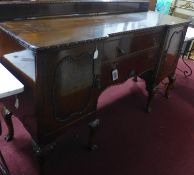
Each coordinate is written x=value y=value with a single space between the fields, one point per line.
x=93 y=125
x=170 y=85
x=151 y=93
x=42 y=152
x=7 y=115
x=135 y=78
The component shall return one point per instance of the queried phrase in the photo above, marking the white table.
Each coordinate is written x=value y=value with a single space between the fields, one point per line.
x=188 y=42
x=190 y=34
x=9 y=86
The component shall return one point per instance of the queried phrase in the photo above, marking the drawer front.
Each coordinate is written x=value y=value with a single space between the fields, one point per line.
x=145 y=40
x=128 y=66
x=131 y=43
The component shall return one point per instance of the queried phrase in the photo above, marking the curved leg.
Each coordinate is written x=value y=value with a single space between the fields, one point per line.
x=151 y=94
x=135 y=78
x=151 y=88
x=187 y=73
x=42 y=152
x=3 y=166
x=7 y=115
x=170 y=85
x=93 y=125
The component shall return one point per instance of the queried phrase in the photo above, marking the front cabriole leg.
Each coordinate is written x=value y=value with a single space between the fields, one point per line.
x=7 y=115
x=42 y=153
x=93 y=125
x=151 y=88
x=170 y=85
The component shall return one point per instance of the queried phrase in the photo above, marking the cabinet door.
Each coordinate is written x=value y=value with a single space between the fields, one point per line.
x=73 y=83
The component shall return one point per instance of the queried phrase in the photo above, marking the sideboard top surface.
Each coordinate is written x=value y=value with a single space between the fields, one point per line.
x=46 y=33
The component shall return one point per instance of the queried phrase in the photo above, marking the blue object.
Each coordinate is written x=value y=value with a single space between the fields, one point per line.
x=163 y=6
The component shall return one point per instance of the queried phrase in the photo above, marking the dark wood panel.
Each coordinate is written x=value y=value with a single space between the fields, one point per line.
x=22 y=10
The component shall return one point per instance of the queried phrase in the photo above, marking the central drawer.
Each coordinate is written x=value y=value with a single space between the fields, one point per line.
x=128 y=66
x=130 y=44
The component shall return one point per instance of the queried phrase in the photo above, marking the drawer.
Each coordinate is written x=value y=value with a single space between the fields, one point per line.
x=145 y=40
x=132 y=43
x=129 y=66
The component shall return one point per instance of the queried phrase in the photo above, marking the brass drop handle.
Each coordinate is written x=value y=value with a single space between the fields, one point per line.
x=155 y=42
x=120 y=52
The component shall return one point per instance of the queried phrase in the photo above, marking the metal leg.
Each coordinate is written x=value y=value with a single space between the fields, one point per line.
x=188 y=72
x=188 y=52
x=3 y=166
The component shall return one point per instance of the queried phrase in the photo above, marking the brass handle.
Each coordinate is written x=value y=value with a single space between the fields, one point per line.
x=120 y=52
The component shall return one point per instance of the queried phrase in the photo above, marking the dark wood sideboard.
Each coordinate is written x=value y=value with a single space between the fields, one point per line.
x=67 y=60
